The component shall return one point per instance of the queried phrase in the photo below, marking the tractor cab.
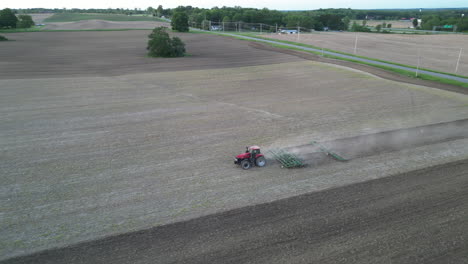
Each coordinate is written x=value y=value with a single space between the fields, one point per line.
x=254 y=150
x=252 y=156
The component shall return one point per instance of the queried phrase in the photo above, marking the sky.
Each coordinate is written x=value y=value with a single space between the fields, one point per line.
x=270 y=4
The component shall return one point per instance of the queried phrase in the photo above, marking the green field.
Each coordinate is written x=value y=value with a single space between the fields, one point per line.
x=70 y=17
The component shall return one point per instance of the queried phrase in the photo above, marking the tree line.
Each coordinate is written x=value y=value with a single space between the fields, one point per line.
x=333 y=19
x=8 y=19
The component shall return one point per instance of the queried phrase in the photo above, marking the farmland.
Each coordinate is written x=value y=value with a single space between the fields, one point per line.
x=97 y=139
x=395 y=23
x=436 y=52
x=70 y=17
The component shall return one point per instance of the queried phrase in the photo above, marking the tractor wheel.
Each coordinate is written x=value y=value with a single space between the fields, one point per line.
x=260 y=161
x=245 y=164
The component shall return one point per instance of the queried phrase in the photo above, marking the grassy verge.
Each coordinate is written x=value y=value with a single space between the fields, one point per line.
x=72 y=17
x=407 y=73
x=349 y=54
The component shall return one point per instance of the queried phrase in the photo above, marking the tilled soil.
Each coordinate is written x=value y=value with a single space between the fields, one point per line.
x=87 y=156
x=111 y=53
x=104 y=24
x=372 y=144
x=415 y=217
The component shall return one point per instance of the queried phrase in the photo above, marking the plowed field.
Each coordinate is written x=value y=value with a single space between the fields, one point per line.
x=97 y=139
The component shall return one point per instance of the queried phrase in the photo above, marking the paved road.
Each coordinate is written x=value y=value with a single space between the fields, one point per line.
x=417 y=217
x=456 y=78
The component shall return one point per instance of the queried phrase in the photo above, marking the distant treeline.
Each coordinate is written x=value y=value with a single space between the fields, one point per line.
x=334 y=19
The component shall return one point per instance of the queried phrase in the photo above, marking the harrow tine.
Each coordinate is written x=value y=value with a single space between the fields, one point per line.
x=287 y=160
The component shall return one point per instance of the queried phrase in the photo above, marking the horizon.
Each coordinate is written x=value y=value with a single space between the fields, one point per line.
x=286 y=10
x=296 y=5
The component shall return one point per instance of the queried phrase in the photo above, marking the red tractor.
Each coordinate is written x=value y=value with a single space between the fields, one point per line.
x=252 y=156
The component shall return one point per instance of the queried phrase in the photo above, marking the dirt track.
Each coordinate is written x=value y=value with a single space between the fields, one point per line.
x=87 y=152
x=417 y=217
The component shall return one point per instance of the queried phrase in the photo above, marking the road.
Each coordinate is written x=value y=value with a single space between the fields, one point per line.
x=435 y=74
x=416 y=217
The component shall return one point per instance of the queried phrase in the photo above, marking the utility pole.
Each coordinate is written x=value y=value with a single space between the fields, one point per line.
x=260 y=28
x=458 y=61
x=355 y=45
x=419 y=62
x=276 y=30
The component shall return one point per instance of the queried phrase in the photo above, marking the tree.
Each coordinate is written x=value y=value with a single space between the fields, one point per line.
x=160 y=10
x=150 y=10
x=378 y=27
x=8 y=19
x=389 y=25
x=415 y=22
x=333 y=22
x=25 y=21
x=161 y=45
x=180 y=22
x=237 y=17
x=346 y=22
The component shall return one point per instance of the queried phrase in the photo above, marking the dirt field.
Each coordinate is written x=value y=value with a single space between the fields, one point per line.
x=395 y=23
x=412 y=218
x=102 y=24
x=437 y=52
x=97 y=139
x=39 y=18
x=109 y=53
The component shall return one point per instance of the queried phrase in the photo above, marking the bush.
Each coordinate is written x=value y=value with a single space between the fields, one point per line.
x=161 y=45
x=25 y=21
x=2 y=38
x=179 y=22
x=357 y=28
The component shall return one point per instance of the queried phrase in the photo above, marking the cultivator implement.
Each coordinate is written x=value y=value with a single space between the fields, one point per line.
x=287 y=160
x=328 y=152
